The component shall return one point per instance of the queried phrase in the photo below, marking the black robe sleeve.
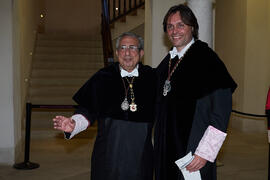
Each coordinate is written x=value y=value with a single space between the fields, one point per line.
x=88 y=99
x=213 y=109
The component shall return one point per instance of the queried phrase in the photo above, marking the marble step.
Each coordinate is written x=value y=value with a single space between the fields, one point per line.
x=68 y=65
x=91 y=58
x=45 y=133
x=54 y=91
x=67 y=36
x=52 y=100
x=68 y=43
x=62 y=73
x=43 y=119
x=69 y=50
x=41 y=82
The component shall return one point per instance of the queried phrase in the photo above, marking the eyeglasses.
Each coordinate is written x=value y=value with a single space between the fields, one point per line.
x=132 y=48
x=170 y=27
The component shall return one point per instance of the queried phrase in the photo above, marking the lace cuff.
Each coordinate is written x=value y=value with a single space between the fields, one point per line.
x=210 y=143
x=81 y=124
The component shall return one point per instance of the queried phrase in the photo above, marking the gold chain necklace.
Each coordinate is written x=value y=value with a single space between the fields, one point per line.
x=125 y=105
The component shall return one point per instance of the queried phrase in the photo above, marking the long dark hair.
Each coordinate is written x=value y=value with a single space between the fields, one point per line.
x=187 y=16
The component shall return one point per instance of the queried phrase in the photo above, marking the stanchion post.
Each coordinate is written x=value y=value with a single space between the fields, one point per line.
x=26 y=165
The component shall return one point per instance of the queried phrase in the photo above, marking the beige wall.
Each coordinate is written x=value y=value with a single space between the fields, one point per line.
x=242 y=42
x=257 y=56
x=257 y=66
x=25 y=22
x=7 y=109
x=69 y=16
x=230 y=40
x=268 y=38
x=17 y=83
x=19 y=21
x=28 y=20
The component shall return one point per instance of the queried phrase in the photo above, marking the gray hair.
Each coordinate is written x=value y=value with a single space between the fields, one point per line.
x=130 y=34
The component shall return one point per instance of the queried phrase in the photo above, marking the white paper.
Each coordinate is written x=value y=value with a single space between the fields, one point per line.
x=182 y=163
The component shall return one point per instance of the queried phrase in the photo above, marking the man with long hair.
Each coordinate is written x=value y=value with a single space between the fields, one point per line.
x=194 y=101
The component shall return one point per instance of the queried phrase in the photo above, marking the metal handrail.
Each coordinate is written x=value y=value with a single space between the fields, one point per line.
x=106 y=34
x=110 y=14
x=123 y=8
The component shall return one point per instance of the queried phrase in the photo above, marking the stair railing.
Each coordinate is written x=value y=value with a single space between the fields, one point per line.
x=120 y=8
x=113 y=10
x=106 y=34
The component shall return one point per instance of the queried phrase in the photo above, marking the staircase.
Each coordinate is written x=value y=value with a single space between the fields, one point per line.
x=61 y=65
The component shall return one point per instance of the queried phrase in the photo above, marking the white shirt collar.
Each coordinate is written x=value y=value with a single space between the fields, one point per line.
x=135 y=72
x=180 y=54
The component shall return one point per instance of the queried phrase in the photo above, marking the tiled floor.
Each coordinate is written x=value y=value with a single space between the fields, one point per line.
x=244 y=157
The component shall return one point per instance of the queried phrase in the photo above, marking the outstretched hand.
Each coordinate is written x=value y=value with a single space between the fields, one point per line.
x=63 y=123
x=196 y=164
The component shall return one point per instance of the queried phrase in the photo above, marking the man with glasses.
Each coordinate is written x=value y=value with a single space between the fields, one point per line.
x=194 y=102
x=120 y=97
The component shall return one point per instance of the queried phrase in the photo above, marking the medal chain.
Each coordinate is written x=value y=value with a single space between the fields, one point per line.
x=132 y=97
x=167 y=84
x=126 y=89
x=125 y=104
x=170 y=73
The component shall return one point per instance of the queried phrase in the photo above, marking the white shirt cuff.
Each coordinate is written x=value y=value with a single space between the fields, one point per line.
x=81 y=124
x=210 y=143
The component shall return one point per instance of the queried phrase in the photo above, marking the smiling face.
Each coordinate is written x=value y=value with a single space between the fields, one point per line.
x=128 y=53
x=178 y=32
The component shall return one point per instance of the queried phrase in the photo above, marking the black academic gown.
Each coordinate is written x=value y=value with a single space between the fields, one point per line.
x=200 y=96
x=123 y=147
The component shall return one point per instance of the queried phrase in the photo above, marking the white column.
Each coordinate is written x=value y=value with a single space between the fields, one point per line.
x=7 y=139
x=204 y=13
